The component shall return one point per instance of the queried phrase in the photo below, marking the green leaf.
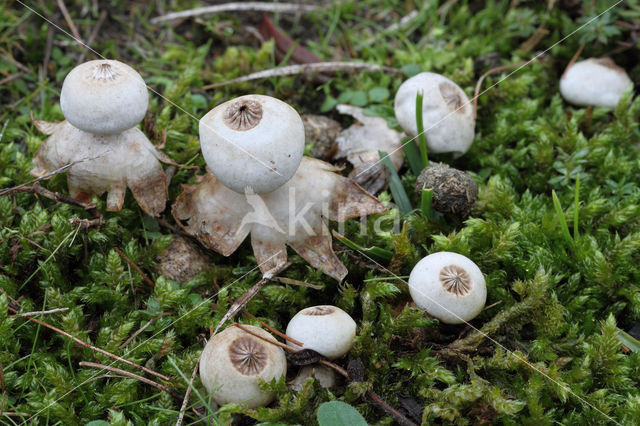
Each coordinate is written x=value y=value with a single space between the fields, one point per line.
x=338 y=413
x=411 y=69
x=97 y=423
x=359 y=98
x=378 y=94
x=395 y=185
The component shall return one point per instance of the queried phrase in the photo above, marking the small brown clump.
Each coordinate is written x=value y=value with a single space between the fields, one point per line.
x=454 y=191
x=322 y=131
x=182 y=260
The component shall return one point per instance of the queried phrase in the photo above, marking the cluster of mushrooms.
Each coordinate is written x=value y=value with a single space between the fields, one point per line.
x=260 y=184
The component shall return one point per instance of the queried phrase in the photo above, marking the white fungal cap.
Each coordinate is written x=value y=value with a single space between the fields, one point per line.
x=325 y=376
x=252 y=142
x=447 y=114
x=449 y=286
x=233 y=361
x=594 y=82
x=325 y=329
x=104 y=97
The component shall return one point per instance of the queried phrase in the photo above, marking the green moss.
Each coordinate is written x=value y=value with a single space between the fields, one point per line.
x=546 y=350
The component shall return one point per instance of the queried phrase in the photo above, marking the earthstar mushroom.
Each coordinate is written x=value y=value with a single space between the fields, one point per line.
x=447 y=114
x=449 y=286
x=325 y=329
x=102 y=101
x=252 y=141
x=233 y=361
x=594 y=82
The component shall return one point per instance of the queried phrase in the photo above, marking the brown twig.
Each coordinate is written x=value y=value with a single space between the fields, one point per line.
x=573 y=59
x=246 y=330
x=47 y=50
x=94 y=348
x=132 y=376
x=145 y=278
x=291 y=281
x=86 y=223
x=93 y=35
x=67 y=18
x=56 y=196
x=185 y=400
x=14 y=414
x=30 y=314
x=141 y=329
x=317 y=67
x=271 y=329
x=236 y=7
x=240 y=303
x=476 y=93
x=11 y=78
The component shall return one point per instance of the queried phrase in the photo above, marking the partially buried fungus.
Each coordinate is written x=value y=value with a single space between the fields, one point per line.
x=447 y=114
x=454 y=191
x=292 y=214
x=325 y=376
x=102 y=101
x=449 y=286
x=594 y=82
x=233 y=361
x=325 y=329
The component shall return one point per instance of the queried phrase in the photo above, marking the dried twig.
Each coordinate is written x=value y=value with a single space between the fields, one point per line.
x=141 y=329
x=239 y=304
x=93 y=35
x=185 y=400
x=574 y=58
x=11 y=78
x=56 y=196
x=271 y=329
x=144 y=276
x=30 y=314
x=94 y=348
x=308 y=69
x=291 y=281
x=253 y=6
x=246 y=330
x=67 y=18
x=495 y=70
x=47 y=49
x=132 y=376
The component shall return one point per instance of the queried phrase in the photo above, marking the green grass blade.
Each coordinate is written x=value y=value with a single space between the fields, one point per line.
x=422 y=139
x=426 y=202
x=395 y=185
x=628 y=340
x=563 y=222
x=375 y=251
x=412 y=153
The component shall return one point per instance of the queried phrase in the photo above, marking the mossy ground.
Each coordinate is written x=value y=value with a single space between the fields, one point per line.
x=561 y=283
